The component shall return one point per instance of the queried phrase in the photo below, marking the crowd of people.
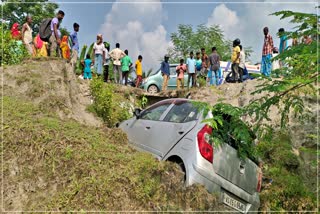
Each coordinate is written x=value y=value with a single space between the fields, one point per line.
x=202 y=65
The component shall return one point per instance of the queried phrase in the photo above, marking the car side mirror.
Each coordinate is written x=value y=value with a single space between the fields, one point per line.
x=137 y=112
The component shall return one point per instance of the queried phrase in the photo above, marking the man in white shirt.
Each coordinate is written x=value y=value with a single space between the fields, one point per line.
x=116 y=54
x=242 y=58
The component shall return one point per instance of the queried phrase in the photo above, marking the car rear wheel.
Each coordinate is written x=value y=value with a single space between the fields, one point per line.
x=153 y=89
x=180 y=163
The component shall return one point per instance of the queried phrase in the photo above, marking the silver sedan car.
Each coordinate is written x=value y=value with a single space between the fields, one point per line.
x=173 y=130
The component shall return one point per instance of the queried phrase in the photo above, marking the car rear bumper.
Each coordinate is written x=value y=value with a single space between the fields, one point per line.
x=215 y=183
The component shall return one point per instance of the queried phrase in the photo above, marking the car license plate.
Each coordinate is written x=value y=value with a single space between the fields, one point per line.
x=234 y=203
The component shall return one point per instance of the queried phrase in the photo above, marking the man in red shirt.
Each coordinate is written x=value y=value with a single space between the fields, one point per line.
x=266 y=53
x=204 y=59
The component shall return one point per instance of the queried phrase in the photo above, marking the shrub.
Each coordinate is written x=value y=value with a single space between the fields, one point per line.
x=288 y=190
x=112 y=108
x=13 y=51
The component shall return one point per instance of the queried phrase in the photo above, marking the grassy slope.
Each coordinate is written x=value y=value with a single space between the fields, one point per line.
x=54 y=164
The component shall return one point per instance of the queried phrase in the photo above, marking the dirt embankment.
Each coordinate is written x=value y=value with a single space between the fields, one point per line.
x=50 y=83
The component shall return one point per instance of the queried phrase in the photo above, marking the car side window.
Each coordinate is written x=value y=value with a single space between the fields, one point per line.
x=173 y=71
x=182 y=113
x=154 y=113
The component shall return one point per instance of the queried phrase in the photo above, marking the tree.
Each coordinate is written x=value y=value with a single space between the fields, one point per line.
x=299 y=77
x=17 y=10
x=186 y=40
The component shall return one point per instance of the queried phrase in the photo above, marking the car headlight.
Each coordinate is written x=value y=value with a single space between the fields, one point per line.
x=145 y=80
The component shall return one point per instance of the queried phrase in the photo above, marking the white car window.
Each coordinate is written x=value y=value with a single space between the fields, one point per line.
x=154 y=113
x=182 y=113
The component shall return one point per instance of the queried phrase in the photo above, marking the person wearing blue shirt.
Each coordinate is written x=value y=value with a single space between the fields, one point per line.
x=165 y=70
x=75 y=44
x=283 y=42
x=191 y=69
x=87 y=63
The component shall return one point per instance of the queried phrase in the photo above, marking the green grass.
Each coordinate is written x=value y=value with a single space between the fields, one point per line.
x=87 y=168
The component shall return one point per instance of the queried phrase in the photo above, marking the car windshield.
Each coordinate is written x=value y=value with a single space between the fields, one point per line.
x=153 y=72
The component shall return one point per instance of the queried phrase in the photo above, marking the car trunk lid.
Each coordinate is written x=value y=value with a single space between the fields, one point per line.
x=242 y=173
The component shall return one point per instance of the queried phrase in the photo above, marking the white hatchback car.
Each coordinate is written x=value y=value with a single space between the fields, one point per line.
x=173 y=130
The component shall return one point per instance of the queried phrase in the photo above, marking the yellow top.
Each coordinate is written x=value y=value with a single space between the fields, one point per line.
x=139 y=68
x=235 y=52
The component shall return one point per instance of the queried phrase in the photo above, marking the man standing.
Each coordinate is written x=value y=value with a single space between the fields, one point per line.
x=116 y=55
x=165 y=70
x=126 y=63
x=283 y=40
x=235 y=59
x=204 y=60
x=55 y=38
x=266 y=53
x=106 y=62
x=138 y=67
x=27 y=35
x=214 y=60
x=191 y=69
x=242 y=63
x=75 y=44
x=283 y=43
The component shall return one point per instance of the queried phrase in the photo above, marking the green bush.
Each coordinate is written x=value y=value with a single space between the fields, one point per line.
x=288 y=190
x=111 y=107
x=13 y=51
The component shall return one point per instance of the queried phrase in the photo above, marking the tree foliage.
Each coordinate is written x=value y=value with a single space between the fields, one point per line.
x=17 y=10
x=298 y=78
x=186 y=40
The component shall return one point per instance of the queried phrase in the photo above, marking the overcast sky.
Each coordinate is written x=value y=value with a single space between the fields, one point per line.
x=144 y=26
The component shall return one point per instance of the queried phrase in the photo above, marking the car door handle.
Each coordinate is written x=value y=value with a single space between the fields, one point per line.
x=181 y=132
x=148 y=127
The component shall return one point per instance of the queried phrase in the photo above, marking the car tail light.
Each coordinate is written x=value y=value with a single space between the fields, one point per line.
x=206 y=149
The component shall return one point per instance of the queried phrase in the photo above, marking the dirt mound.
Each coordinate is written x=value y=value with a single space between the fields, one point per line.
x=50 y=83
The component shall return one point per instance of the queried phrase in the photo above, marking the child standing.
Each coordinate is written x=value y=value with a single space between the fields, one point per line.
x=139 y=71
x=87 y=63
x=180 y=74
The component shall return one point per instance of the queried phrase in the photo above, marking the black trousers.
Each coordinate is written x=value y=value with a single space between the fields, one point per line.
x=240 y=74
x=235 y=71
x=105 y=73
x=193 y=76
x=125 y=75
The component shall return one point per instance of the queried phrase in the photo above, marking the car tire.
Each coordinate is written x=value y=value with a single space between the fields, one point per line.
x=153 y=89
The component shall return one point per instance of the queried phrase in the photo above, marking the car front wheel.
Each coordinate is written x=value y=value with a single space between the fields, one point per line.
x=153 y=89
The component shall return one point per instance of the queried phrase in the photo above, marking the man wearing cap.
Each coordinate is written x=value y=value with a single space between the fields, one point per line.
x=165 y=70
